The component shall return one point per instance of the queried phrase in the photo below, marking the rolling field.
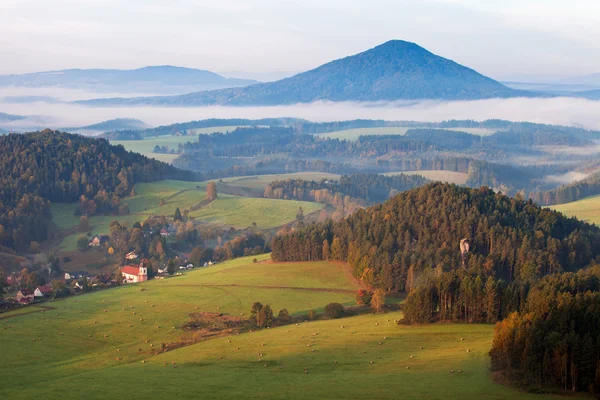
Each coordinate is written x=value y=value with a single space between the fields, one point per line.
x=146 y=146
x=101 y=345
x=261 y=181
x=353 y=134
x=459 y=178
x=587 y=209
x=239 y=212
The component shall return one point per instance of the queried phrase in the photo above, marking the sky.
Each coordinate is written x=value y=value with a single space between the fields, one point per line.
x=505 y=39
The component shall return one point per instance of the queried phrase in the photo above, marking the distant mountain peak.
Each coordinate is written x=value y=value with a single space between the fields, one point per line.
x=394 y=70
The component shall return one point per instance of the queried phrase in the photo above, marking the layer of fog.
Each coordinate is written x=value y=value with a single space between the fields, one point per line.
x=567 y=178
x=564 y=111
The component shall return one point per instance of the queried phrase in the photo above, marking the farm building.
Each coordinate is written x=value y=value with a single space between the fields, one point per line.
x=134 y=274
x=43 y=291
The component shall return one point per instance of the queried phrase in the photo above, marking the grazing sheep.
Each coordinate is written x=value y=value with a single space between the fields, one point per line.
x=89 y=335
x=364 y=352
x=151 y=345
x=335 y=362
x=460 y=371
x=412 y=356
x=380 y=342
x=62 y=334
x=407 y=367
x=141 y=319
x=421 y=348
x=105 y=336
x=372 y=362
x=118 y=349
x=451 y=371
x=462 y=339
x=143 y=361
x=117 y=358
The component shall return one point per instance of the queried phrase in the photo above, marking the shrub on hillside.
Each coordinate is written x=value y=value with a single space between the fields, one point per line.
x=334 y=310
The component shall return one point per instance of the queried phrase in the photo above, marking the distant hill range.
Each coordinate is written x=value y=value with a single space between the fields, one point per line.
x=156 y=79
x=10 y=117
x=117 y=124
x=395 y=70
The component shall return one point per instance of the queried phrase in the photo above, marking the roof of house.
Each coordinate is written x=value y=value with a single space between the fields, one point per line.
x=131 y=270
x=45 y=289
x=25 y=292
x=25 y=300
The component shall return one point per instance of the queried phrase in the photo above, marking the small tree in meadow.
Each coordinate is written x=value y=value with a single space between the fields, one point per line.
x=378 y=300
x=334 y=310
x=284 y=315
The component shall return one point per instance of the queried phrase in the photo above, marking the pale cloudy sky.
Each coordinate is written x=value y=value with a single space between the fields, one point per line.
x=506 y=39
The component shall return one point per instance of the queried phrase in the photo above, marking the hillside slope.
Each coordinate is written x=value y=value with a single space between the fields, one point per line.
x=395 y=70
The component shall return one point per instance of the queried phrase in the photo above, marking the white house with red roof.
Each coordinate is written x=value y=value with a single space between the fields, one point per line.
x=134 y=274
x=43 y=291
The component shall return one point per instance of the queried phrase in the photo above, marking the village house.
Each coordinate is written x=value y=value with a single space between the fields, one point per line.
x=95 y=242
x=132 y=274
x=43 y=291
x=24 y=296
x=131 y=256
x=164 y=232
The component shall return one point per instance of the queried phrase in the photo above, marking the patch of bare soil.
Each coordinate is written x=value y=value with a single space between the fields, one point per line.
x=207 y=325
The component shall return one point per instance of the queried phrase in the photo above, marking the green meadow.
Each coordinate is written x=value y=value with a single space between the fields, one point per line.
x=146 y=146
x=459 y=178
x=227 y=210
x=587 y=209
x=261 y=181
x=103 y=344
x=355 y=133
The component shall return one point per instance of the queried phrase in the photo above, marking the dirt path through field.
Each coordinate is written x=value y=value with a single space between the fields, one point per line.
x=309 y=289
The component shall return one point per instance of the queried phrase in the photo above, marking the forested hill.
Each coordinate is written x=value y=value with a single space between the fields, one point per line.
x=397 y=244
x=39 y=167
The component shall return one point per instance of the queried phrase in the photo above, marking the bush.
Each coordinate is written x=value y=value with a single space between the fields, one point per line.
x=254 y=260
x=334 y=310
x=312 y=315
x=363 y=297
x=284 y=315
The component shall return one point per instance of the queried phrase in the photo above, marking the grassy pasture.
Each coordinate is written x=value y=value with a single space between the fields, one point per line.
x=587 y=209
x=146 y=146
x=227 y=210
x=72 y=358
x=354 y=133
x=460 y=178
x=261 y=181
